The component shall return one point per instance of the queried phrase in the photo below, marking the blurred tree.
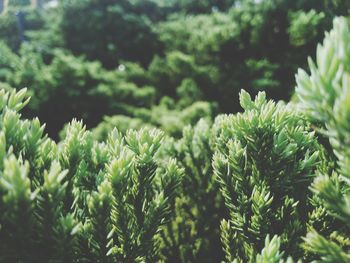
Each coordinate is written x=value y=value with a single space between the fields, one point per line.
x=189 y=51
x=337 y=7
x=9 y=30
x=99 y=30
x=256 y=45
x=14 y=25
x=70 y=87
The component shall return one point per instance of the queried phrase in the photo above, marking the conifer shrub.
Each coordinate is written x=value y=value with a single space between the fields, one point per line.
x=166 y=116
x=194 y=234
x=324 y=96
x=271 y=183
x=123 y=123
x=70 y=86
x=264 y=161
x=80 y=200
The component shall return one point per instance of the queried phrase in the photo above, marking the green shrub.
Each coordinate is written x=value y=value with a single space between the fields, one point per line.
x=304 y=26
x=324 y=95
x=168 y=73
x=194 y=235
x=136 y=195
x=165 y=116
x=265 y=160
x=188 y=92
x=70 y=87
x=99 y=32
x=123 y=123
x=80 y=200
x=10 y=31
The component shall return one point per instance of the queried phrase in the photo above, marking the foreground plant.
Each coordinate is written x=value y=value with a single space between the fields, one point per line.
x=80 y=200
x=325 y=97
x=265 y=160
x=194 y=233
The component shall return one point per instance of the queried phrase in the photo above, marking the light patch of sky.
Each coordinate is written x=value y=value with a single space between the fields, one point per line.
x=239 y=3
x=51 y=4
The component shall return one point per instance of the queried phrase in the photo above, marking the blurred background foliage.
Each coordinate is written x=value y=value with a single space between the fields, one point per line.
x=163 y=63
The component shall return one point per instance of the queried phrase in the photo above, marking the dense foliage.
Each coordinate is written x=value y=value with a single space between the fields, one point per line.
x=165 y=175
x=265 y=161
x=149 y=53
x=80 y=199
x=324 y=96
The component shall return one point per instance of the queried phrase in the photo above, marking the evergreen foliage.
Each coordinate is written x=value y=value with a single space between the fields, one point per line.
x=264 y=162
x=80 y=199
x=161 y=179
x=190 y=52
x=193 y=235
x=324 y=96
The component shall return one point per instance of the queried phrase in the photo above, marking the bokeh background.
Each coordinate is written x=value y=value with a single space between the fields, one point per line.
x=161 y=63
